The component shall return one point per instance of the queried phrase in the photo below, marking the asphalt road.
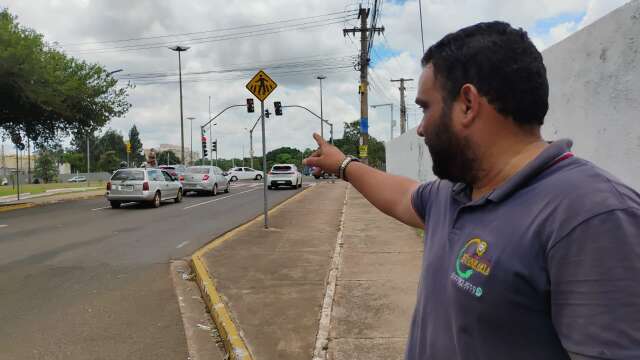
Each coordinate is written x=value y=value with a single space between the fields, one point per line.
x=79 y=280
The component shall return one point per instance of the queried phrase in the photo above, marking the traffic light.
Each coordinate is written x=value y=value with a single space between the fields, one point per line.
x=278 y=106
x=204 y=147
x=267 y=113
x=214 y=146
x=250 y=107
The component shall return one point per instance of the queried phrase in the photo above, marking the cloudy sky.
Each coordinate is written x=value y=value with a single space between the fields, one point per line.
x=293 y=40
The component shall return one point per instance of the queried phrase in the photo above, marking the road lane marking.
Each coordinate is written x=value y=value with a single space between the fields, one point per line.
x=4 y=226
x=102 y=208
x=182 y=244
x=214 y=200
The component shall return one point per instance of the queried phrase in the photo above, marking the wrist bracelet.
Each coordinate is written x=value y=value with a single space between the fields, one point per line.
x=343 y=166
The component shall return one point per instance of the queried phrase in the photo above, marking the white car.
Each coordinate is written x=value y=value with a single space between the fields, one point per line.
x=244 y=173
x=205 y=179
x=78 y=179
x=284 y=175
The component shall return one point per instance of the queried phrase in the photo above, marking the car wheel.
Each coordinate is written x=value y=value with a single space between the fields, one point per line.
x=115 y=204
x=269 y=187
x=316 y=176
x=234 y=178
x=325 y=175
x=258 y=177
x=214 y=191
x=179 y=196
x=300 y=184
x=156 y=200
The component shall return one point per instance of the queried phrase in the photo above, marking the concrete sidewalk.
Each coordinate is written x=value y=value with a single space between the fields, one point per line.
x=274 y=281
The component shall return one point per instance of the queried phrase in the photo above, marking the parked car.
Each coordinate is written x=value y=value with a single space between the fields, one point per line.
x=144 y=186
x=244 y=173
x=207 y=179
x=284 y=175
x=77 y=179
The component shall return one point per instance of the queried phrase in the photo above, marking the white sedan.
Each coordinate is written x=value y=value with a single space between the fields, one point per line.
x=284 y=175
x=244 y=173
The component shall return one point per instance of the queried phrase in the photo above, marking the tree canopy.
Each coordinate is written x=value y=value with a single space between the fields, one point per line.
x=45 y=94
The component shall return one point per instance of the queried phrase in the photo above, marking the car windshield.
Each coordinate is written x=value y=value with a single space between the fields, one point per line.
x=128 y=175
x=197 y=170
x=282 y=168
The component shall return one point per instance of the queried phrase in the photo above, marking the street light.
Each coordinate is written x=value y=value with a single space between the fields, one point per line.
x=180 y=49
x=321 y=77
x=392 y=122
x=113 y=72
x=191 y=118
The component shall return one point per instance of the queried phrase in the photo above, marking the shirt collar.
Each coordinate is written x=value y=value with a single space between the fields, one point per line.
x=546 y=158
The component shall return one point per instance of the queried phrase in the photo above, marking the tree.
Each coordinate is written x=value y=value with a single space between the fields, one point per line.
x=167 y=157
x=349 y=144
x=109 y=161
x=46 y=167
x=137 y=155
x=112 y=140
x=44 y=94
x=76 y=160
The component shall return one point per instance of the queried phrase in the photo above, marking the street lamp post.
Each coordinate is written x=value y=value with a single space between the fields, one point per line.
x=180 y=49
x=191 y=118
x=321 y=77
x=392 y=122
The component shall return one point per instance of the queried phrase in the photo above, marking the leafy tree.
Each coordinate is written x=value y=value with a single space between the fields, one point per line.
x=76 y=160
x=167 y=157
x=112 y=140
x=137 y=154
x=44 y=94
x=349 y=144
x=46 y=167
x=109 y=161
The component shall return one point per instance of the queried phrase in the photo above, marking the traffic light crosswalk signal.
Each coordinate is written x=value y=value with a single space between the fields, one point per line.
x=278 y=107
x=204 y=147
x=214 y=146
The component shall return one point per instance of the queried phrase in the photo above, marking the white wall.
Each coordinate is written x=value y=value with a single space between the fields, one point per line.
x=594 y=80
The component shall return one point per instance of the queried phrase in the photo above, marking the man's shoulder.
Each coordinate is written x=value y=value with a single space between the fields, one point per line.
x=575 y=191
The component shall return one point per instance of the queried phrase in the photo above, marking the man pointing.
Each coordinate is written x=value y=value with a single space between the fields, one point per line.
x=530 y=252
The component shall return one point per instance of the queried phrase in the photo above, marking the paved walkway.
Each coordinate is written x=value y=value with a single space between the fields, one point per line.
x=377 y=284
x=274 y=281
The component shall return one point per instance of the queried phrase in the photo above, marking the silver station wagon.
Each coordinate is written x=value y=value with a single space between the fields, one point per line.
x=144 y=186
x=205 y=179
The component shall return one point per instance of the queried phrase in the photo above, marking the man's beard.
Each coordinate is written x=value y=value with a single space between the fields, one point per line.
x=453 y=156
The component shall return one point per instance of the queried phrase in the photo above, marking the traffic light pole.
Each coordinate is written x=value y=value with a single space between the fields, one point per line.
x=314 y=114
x=264 y=168
x=220 y=113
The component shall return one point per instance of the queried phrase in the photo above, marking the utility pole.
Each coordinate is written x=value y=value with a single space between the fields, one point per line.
x=392 y=123
x=251 y=141
x=321 y=77
x=364 y=31
x=180 y=49
x=210 y=135
x=403 y=107
x=191 y=136
x=28 y=161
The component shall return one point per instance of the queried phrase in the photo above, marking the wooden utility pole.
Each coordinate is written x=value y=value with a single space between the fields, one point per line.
x=364 y=31
x=403 y=107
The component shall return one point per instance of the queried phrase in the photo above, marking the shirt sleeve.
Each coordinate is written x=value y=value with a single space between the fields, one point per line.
x=594 y=274
x=419 y=199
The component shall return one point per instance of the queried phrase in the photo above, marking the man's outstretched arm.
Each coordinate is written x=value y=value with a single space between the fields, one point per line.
x=389 y=193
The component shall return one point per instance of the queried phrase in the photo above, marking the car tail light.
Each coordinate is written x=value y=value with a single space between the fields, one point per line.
x=109 y=186
x=145 y=186
x=181 y=178
x=205 y=177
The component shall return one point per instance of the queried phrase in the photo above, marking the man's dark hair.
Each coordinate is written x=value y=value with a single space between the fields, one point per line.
x=501 y=62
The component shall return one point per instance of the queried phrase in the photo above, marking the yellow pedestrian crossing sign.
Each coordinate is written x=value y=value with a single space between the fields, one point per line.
x=261 y=85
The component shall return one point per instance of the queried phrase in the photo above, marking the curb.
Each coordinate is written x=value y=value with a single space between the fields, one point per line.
x=234 y=343
x=11 y=207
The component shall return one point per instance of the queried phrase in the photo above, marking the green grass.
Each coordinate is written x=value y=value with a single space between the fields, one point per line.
x=40 y=188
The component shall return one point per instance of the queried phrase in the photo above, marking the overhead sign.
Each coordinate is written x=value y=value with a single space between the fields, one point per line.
x=261 y=85
x=363 y=151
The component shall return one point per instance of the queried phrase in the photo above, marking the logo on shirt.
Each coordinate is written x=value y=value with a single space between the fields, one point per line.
x=470 y=261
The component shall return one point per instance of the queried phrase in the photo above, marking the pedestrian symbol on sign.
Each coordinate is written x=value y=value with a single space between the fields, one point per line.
x=261 y=85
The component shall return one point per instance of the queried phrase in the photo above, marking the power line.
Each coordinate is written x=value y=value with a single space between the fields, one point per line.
x=216 y=38
x=354 y=11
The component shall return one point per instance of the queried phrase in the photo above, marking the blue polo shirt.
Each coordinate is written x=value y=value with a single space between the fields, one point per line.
x=546 y=265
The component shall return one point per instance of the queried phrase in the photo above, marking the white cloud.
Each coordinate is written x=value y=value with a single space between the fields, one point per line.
x=156 y=107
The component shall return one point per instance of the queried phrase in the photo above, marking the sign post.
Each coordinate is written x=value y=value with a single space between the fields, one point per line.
x=261 y=86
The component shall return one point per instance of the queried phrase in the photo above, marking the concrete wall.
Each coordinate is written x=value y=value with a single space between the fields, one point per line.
x=594 y=79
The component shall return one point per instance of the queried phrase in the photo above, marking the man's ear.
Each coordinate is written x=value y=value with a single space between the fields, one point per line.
x=469 y=104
